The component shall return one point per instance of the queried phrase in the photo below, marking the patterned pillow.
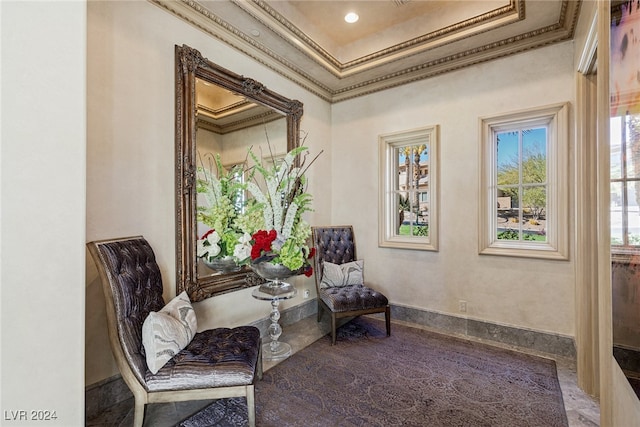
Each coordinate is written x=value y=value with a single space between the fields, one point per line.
x=168 y=331
x=336 y=275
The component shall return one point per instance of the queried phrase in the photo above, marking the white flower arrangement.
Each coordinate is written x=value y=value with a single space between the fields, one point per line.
x=274 y=217
x=269 y=227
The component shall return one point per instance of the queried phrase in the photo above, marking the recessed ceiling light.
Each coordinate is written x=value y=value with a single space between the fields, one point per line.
x=351 y=17
x=255 y=33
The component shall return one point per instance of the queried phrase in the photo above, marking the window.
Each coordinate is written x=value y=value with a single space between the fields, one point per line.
x=625 y=183
x=524 y=183
x=408 y=208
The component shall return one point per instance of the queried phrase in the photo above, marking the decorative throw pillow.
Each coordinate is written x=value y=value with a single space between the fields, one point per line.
x=335 y=275
x=168 y=331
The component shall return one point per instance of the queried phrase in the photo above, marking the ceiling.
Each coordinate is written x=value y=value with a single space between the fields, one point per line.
x=394 y=41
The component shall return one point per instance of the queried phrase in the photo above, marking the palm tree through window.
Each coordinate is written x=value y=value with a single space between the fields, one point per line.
x=412 y=191
x=408 y=200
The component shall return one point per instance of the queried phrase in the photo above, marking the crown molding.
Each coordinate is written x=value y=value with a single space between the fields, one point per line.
x=299 y=59
x=298 y=40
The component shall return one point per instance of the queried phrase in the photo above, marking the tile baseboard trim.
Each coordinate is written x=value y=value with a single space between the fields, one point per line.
x=104 y=394
x=553 y=344
x=628 y=358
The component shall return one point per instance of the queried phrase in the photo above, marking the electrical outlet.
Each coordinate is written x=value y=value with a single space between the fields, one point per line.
x=463 y=306
x=306 y=293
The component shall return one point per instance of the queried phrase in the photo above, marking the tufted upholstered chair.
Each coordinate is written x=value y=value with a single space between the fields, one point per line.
x=217 y=363
x=337 y=245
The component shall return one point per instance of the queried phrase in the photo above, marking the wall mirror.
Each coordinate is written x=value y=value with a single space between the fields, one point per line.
x=220 y=113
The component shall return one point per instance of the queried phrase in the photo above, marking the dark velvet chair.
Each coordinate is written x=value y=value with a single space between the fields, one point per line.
x=336 y=244
x=216 y=363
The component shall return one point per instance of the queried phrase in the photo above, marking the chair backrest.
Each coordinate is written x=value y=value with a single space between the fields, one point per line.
x=334 y=244
x=132 y=286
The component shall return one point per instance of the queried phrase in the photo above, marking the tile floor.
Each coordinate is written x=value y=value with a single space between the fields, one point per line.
x=582 y=409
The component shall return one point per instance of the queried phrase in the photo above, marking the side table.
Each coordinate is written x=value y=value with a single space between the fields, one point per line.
x=275 y=349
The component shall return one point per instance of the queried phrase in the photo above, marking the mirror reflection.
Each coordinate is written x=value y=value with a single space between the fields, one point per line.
x=228 y=126
x=220 y=115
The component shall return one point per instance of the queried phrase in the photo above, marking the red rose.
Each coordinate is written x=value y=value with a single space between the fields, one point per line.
x=255 y=252
x=263 y=242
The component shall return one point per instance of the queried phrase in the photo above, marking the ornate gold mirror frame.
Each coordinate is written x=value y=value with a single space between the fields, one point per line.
x=191 y=66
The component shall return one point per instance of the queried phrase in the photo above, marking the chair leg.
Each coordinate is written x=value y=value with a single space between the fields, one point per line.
x=387 y=318
x=259 y=366
x=333 y=328
x=138 y=413
x=251 y=405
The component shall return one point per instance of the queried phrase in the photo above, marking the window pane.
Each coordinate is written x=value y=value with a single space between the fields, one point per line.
x=633 y=146
x=633 y=218
x=509 y=233
x=404 y=168
x=534 y=200
x=405 y=229
x=415 y=208
x=534 y=155
x=421 y=230
x=616 y=213
x=418 y=167
x=504 y=201
x=508 y=227
x=502 y=212
x=423 y=208
x=507 y=158
x=633 y=195
x=508 y=198
x=403 y=209
x=615 y=140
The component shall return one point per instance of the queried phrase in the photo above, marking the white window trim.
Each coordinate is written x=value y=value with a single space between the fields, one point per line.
x=387 y=236
x=557 y=246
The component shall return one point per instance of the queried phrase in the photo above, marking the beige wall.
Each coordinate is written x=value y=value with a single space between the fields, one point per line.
x=42 y=125
x=526 y=293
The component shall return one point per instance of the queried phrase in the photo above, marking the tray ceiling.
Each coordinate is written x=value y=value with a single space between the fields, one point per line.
x=394 y=41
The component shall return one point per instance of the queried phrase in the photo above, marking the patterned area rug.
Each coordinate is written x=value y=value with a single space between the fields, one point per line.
x=413 y=378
